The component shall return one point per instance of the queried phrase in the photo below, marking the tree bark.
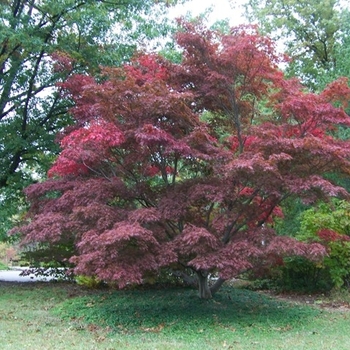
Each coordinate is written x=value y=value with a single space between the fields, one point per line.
x=203 y=285
x=188 y=280
x=216 y=286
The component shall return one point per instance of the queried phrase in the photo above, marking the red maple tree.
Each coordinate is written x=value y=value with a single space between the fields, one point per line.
x=143 y=182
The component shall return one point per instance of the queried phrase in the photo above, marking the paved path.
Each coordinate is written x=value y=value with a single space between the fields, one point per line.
x=13 y=275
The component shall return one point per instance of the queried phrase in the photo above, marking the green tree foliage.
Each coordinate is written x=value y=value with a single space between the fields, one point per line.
x=43 y=43
x=328 y=224
x=290 y=223
x=334 y=216
x=314 y=33
x=342 y=49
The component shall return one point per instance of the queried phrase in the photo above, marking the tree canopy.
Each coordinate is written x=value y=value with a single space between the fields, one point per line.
x=42 y=43
x=144 y=182
x=314 y=33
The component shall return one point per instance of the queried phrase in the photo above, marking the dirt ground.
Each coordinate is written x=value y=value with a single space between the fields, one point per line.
x=330 y=301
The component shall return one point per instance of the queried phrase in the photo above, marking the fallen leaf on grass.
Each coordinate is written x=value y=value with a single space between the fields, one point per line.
x=153 y=329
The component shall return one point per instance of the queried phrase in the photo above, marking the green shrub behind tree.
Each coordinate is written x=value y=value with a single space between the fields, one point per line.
x=329 y=224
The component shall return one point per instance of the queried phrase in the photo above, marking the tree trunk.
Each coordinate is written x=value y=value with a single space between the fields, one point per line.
x=187 y=280
x=204 y=290
x=216 y=286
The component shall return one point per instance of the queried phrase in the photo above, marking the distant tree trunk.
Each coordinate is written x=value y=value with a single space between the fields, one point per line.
x=204 y=290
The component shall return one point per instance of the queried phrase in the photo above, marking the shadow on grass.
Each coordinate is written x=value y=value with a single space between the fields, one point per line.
x=180 y=310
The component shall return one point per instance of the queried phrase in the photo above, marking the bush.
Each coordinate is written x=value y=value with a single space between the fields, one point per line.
x=300 y=274
x=88 y=281
x=328 y=224
x=291 y=274
x=338 y=263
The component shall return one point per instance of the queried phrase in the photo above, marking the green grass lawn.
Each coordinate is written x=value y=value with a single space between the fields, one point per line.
x=65 y=316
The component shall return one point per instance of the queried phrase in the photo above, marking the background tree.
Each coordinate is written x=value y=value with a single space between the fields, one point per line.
x=143 y=183
x=313 y=32
x=42 y=43
x=315 y=35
